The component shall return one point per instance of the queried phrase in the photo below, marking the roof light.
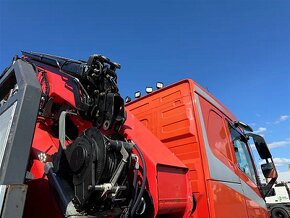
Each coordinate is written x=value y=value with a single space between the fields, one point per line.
x=137 y=94
x=159 y=85
x=127 y=99
x=149 y=89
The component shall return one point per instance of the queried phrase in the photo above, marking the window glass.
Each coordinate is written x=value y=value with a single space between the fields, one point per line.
x=242 y=154
x=217 y=135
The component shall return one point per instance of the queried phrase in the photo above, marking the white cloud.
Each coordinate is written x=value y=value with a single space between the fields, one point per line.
x=281 y=161
x=260 y=130
x=282 y=118
x=278 y=161
x=277 y=144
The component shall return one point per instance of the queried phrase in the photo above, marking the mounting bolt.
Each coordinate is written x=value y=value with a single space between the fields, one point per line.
x=42 y=157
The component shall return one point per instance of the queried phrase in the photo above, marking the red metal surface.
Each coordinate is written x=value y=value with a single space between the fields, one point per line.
x=217 y=146
x=167 y=176
x=40 y=200
x=168 y=113
x=168 y=130
x=61 y=85
x=168 y=181
x=171 y=114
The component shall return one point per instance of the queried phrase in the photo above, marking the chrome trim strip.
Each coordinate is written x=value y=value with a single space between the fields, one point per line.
x=219 y=171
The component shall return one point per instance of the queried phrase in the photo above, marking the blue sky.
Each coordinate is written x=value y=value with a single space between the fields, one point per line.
x=238 y=50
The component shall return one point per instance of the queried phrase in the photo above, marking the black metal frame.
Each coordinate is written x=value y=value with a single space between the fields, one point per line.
x=17 y=150
x=100 y=102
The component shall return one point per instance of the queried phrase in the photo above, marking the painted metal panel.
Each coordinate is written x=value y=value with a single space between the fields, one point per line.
x=210 y=99
x=226 y=202
x=169 y=114
x=218 y=170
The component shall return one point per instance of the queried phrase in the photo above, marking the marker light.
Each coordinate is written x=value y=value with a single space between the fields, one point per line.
x=137 y=94
x=127 y=99
x=149 y=90
x=159 y=85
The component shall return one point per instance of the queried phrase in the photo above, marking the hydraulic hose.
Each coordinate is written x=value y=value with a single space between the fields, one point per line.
x=135 y=188
x=144 y=172
x=135 y=182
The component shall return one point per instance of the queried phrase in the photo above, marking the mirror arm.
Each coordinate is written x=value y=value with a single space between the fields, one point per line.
x=266 y=189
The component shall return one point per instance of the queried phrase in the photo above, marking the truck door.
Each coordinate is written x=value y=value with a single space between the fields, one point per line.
x=255 y=204
x=223 y=185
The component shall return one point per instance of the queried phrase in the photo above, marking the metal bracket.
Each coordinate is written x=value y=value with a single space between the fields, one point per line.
x=21 y=92
x=61 y=130
x=110 y=187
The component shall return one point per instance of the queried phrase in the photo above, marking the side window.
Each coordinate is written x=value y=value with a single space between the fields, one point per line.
x=242 y=154
x=217 y=135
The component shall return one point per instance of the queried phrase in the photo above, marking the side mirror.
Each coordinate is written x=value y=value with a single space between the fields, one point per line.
x=268 y=170
x=261 y=146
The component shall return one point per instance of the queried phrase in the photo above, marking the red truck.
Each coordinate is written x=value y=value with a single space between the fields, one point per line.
x=70 y=147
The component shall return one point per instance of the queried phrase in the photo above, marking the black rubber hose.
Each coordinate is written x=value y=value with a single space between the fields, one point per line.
x=135 y=188
x=144 y=172
x=135 y=182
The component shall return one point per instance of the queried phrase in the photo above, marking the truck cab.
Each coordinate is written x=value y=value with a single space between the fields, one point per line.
x=213 y=144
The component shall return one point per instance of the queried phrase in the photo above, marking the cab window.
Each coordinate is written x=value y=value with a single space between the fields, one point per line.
x=217 y=135
x=242 y=153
